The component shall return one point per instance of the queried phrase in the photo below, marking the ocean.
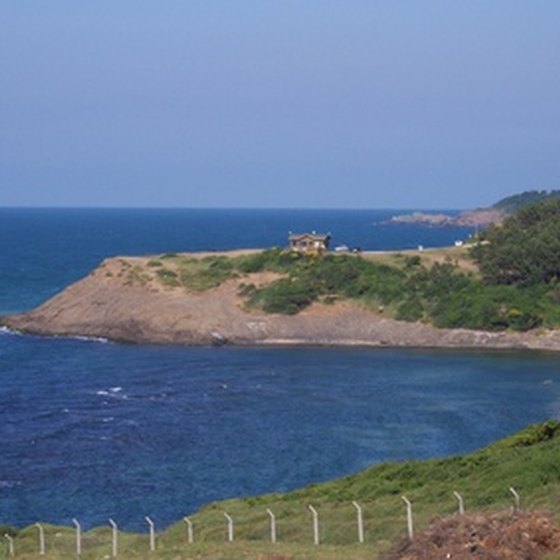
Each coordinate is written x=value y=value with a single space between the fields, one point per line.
x=93 y=429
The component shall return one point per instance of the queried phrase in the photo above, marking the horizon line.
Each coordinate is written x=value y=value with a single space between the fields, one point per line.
x=244 y=208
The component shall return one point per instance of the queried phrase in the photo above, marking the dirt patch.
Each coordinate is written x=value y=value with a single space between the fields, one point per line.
x=503 y=536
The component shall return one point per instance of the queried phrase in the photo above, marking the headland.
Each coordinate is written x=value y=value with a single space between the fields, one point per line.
x=213 y=299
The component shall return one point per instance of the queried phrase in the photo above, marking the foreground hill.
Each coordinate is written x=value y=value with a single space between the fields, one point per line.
x=273 y=297
x=527 y=461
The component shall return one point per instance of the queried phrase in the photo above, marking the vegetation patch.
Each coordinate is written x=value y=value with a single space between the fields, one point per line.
x=408 y=288
x=167 y=277
x=136 y=275
x=442 y=294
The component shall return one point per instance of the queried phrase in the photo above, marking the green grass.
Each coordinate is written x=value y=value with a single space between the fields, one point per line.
x=202 y=274
x=195 y=274
x=529 y=461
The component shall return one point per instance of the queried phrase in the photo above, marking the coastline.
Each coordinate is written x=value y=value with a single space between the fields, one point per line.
x=116 y=304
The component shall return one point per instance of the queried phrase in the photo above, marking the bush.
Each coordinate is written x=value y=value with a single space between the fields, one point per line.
x=410 y=262
x=275 y=259
x=168 y=277
x=286 y=296
x=410 y=310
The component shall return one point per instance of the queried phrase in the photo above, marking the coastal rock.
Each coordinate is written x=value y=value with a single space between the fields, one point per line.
x=469 y=218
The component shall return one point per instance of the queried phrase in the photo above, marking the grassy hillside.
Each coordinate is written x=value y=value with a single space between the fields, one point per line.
x=529 y=461
x=446 y=291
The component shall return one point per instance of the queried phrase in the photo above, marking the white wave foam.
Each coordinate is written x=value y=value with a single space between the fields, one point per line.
x=7 y=330
x=112 y=392
x=89 y=338
x=99 y=339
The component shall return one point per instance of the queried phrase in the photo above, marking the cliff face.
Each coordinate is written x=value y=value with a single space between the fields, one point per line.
x=117 y=302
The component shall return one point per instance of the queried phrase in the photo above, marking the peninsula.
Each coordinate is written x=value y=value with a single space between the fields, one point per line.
x=205 y=299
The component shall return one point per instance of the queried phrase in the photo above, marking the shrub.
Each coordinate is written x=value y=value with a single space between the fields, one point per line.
x=286 y=296
x=410 y=310
x=168 y=277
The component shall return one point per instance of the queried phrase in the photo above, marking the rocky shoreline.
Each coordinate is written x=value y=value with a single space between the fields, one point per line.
x=121 y=307
x=469 y=218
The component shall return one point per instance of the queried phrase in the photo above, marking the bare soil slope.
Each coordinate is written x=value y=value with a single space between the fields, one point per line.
x=523 y=536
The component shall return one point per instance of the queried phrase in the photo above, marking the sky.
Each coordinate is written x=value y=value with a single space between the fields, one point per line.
x=286 y=103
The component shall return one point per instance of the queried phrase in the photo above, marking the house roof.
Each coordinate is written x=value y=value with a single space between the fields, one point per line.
x=312 y=236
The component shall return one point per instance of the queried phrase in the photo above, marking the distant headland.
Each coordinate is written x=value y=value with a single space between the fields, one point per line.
x=480 y=217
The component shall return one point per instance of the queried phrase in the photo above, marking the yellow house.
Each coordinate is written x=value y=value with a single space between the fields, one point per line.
x=309 y=242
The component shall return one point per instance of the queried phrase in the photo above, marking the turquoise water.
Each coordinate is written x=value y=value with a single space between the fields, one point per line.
x=92 y=429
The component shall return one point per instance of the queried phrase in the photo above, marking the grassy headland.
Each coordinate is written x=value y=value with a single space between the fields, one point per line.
x=447 y=291
x=529 y=461
x=516 y=287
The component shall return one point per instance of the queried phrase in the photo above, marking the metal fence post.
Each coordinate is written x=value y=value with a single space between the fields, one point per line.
x=516 y=498
x=152 y=534
x=41 y=539
x=409 y=521
x=315 y=524
x=10 y=540
x=460 y=502
x=78 y=537
x=190 y=535
x=360 y=522
x=115 y=538
x=272 y=525
x=229 y=527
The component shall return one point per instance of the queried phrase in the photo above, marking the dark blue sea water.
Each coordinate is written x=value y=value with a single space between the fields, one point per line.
x=95 y=430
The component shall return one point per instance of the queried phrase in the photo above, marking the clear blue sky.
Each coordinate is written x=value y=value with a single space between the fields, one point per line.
x=286 y=103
